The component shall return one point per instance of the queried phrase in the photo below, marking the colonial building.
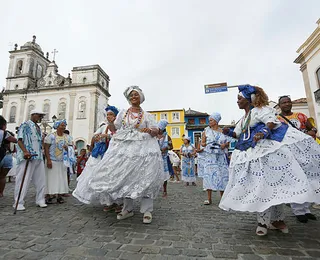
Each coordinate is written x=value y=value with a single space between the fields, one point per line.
x=196 y=122
x=33 y=82
x=176 y=124
x=309 y=60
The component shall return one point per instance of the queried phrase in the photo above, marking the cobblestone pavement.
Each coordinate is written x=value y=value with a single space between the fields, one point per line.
x=182 y=228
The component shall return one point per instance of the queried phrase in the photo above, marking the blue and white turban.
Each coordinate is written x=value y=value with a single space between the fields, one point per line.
x=59 y=122
x=216 y=116
x=162 y=124
x=248 y=92
x=112 y=109
x=128 y=90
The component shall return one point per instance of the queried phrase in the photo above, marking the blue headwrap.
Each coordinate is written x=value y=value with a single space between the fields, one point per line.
x=113 y=109
x=59 y=122
x=216 y=117
x=248 y=92
x=162 y=124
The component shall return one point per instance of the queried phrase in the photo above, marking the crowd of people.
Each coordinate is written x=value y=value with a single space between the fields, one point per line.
x=276 y=161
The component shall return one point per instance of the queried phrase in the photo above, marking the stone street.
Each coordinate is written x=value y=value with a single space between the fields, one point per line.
x=182 y=228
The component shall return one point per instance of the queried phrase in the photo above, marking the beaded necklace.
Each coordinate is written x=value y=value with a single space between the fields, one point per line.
x=140 y=115
x=245 y=126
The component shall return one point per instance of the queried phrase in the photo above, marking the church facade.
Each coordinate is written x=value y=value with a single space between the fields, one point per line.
x=33 y=82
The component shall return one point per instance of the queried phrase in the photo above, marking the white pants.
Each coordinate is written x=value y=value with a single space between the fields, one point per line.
x=36 y=174
x=274 y=213
x=145 y=206
x=300 y=209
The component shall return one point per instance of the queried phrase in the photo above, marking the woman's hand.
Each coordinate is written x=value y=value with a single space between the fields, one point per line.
x=146 y=130
x=258 y=136
x=49 y=164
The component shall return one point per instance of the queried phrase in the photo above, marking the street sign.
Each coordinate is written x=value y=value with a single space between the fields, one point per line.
x=216 y=88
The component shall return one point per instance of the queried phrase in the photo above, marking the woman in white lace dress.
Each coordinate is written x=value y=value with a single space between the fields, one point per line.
x=272 y=164
x=132 y=167
x=101 y=140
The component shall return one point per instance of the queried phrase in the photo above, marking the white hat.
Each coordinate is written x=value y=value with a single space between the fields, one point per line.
x=36 y=111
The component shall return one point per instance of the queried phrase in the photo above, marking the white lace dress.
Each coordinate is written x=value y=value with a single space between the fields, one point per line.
x=273 y=172
x=132 y=167
x=82 y=191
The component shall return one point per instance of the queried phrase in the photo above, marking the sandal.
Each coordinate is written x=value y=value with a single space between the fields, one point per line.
x=164 y=194
x=207 y=202
x=49 y=201
x=194 y=184
x=118 y=209
x=261 y=231
x=147 y=218
x=60 y=200
x=284 y=229
x=124 y=214
x=109 y=208
x=187 y=184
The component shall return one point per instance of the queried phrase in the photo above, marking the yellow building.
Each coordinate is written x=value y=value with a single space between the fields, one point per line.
x=176 y=124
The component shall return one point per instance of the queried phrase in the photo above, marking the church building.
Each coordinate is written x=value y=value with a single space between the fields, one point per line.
x=33 y=82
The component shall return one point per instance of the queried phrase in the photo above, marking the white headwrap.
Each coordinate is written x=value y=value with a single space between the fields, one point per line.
x=252 y=96
x=128 y=90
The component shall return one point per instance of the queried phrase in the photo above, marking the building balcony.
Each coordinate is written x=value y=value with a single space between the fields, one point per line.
x=317 y=95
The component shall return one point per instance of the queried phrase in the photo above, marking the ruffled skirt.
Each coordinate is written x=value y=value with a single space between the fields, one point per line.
x=273 y=173
x=82 y=191
x=132 y=168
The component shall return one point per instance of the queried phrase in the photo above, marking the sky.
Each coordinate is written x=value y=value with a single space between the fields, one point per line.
x=170 y=48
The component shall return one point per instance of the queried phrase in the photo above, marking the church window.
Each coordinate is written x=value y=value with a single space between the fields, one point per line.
x=13 y=112
x=82 y=105
x=31 y=68
x=19 y=67
x=39 y=71
x=16 y=86
x=62 y=110
x=84 y=80
x=46 y=110
x=30 y=108
x=318 y=76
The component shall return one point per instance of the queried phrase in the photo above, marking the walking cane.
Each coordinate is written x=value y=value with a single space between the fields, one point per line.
x=21 y=185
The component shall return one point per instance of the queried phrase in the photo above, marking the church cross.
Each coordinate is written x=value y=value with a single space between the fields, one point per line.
x=54 y=54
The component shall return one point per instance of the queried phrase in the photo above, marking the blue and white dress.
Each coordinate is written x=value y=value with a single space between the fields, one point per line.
x=284 y=168
x=164 y=143
x=188 y=167
x=215 y=169
x=201 y=159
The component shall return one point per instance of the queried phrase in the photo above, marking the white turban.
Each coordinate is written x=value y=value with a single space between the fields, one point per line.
x=128 y=90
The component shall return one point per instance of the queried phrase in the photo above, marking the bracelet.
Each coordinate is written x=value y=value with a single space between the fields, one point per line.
x=265 y=131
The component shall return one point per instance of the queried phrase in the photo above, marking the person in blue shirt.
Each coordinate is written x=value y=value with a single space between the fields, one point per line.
x=30 y=147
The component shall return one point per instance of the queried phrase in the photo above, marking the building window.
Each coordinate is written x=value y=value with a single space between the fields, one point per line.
x=175 y=132
x=164 y=116
x=175 y=116
x=46 y=110
x=154 y=117
x=82 y=109
x=19 y=67
x=62 y=110
x=30 y=108
x=13 y=112
x=318 y=76
x=191 y=121
x=202 y=121
x=197 y=139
